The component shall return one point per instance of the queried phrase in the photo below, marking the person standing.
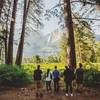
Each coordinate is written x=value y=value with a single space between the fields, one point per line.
x=68 y=78
x=48 y=80
x=56 y=79
x=38 y=83
x=79 y=77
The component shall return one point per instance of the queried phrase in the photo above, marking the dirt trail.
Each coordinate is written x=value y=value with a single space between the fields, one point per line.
x=29 y=94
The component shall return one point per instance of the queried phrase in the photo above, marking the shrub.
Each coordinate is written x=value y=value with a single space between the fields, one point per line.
x=13 y=76
x=92 y=77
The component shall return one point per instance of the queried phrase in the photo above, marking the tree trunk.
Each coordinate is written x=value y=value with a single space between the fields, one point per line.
x=69 y=26
x=1 y=6
x=6 y=60
x=11 y=35
x=6 y=36
x=21 y=42
x=79 y=51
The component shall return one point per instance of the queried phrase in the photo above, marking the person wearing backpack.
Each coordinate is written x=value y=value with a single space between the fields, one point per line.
x=56 y=79
x=48 y=80
x=37 y=79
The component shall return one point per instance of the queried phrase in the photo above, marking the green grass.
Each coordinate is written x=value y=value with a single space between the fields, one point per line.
x=92 y=71
x=31 y=67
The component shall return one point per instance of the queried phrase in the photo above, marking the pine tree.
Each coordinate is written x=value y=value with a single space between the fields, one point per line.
x=69 y=27
x=11 y=34
x=85 y=43
x=21 y=42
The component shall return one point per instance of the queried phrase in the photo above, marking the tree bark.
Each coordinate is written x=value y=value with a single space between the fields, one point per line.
x=21 y=42
x=6 y=52
x=6 y=35
x=69 y=26
x=1 y=6
x=11 y=35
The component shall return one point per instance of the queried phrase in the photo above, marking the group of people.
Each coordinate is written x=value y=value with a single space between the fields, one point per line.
x=69 y=75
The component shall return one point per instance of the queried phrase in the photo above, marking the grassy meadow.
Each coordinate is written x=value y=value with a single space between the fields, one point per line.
x=30 y=67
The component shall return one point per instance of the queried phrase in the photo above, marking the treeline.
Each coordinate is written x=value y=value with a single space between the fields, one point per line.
x=89 y=54
x=40 y=59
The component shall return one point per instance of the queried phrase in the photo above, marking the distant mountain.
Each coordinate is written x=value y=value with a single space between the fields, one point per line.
x=52 y=43
x=46 y=45
x=54 y=39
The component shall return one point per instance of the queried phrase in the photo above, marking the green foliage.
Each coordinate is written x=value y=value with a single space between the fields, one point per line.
x=92 y=77
x=13 y=76
x=33 y=59
x=98 y=52
x=96 y=66
x=29 y=68
x=92 y=71
x=85 y=43
x=64 y=46
x=19 y=76
x=16 y=76
x=39 y=59
x=53 y=59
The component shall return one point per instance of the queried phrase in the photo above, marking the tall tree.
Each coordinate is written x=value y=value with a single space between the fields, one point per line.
x=11 y=34
x=85 y=43
x=31 y=23
x=6 y=31
x=21 y=42
x=69 y=26
x=5 y=23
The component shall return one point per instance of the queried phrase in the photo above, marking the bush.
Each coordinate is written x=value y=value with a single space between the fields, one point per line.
x=92 y=77
x=13 y=76
x=95 y=66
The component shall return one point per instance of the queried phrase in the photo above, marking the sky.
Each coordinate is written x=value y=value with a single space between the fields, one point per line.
x=52 y=24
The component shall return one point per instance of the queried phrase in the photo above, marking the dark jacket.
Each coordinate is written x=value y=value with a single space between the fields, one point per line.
x=37 y=75
x=68 y=74
x=79 y=74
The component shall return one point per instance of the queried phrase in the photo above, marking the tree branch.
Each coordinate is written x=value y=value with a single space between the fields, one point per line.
x=85 y=2
x=86 y=18
x=1 y=37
